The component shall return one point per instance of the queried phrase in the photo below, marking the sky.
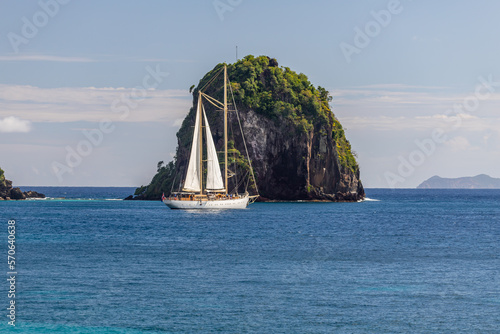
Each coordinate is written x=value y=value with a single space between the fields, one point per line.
x=93 y=92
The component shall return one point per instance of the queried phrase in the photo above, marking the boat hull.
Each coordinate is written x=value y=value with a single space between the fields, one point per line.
x=238 y=203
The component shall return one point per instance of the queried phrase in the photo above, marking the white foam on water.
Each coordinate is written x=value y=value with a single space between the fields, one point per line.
x=367 y=199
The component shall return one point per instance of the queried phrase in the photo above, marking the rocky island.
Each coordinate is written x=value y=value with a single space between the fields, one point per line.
x=481 y=181
x=296 y=144
x=7 y=192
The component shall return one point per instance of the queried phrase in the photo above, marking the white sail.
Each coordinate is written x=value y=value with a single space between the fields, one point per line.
x=214 y=176
x=192 y=182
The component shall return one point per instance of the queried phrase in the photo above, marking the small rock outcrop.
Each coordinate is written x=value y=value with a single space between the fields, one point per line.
x=33 y=194
x=16 y=193
x=5 y=186
x=7 y=192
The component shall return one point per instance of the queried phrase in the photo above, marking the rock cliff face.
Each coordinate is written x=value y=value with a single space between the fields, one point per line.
x=293 y=165
x=297 y=147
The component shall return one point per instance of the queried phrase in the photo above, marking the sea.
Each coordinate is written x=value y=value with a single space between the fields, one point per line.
x=402 y=261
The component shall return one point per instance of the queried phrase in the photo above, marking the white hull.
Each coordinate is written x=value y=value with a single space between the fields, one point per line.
x=238 y=203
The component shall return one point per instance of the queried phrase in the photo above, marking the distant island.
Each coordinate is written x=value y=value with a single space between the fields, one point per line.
x=7 y=192
x=481 y=181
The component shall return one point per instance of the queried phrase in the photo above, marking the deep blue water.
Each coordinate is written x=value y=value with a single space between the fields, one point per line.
x=415 y=261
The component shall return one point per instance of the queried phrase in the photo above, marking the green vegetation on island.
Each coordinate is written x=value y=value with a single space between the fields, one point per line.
x=260 y=84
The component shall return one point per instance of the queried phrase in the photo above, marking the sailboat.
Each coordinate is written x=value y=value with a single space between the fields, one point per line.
x=214 y=192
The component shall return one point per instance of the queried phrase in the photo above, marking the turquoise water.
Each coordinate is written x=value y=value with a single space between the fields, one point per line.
x=414 y=261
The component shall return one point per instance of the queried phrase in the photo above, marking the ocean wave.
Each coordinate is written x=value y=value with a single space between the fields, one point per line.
x=367 y=199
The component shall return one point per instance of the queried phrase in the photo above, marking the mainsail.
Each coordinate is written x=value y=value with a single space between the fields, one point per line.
x=214 y=176
x=192 y=182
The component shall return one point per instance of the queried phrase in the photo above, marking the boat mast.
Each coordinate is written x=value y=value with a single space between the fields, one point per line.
x=201 y=143
x=225 y=127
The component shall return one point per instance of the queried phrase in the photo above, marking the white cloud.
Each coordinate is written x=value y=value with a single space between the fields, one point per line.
x=93 y=104
x=14 y=124
x=405 y=100
x=462 y=123
x=398 y=107
x=46 y=58
x=101 y=58
x=459 y=143
x=164 y=60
